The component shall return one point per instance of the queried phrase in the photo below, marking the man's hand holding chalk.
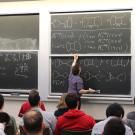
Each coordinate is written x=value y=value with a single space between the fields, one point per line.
x=97 y=91
x=94 y=91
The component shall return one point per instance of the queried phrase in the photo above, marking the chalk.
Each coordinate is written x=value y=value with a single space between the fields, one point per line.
x=97 y=91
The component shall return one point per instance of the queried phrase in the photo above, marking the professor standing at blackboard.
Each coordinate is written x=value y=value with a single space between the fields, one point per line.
x=75 y=82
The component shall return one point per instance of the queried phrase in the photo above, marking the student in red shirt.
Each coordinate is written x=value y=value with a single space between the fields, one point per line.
x=26 y=106
x=73 y=119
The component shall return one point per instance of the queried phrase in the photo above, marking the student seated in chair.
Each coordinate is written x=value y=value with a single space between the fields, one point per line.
x=33 y=123
x=114 y=110
x=61 y=107
x=26 y=105
x=130 y=119
x=4 y=120
x=73 y=119
x=11 y=128
x=114 y=126
x=48 y=117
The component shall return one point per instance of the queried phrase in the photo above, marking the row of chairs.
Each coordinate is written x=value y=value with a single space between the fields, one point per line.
x=85 y=132
x=45 y=131
x=64 y=132
x=9 y=131
x=68 y=132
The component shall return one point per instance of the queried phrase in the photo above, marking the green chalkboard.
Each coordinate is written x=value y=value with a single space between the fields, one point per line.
x=19 y=70
x=88 y=32
x=110 y=74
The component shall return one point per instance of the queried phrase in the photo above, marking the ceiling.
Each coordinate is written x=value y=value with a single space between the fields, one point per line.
x=14 y=0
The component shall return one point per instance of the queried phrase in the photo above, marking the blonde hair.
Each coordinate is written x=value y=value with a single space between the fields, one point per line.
x=62 y=103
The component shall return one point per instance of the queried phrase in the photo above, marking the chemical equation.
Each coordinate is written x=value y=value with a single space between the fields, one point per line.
x=110 y=38
x=58 y=82
x=15 y=57
x=91 y=41
x=57 y=75
x=61 y=63
x=19 y=70
x=89 y=21
x=120 y=77
x=22 y=70
x=122 y=48
x=60 y=23
x=117 y=21
x=112 y=62
x=74 y=46
x=106 y=77
x=97 y=62
x=91 y=33
x=99 y=68
x=60 y=79
x=108 y=41
x=60 y=35
x=18 y=64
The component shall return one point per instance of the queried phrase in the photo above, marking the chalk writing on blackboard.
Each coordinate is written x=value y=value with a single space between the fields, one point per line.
x=18 y=70
x=91 y=33
x=111 y=74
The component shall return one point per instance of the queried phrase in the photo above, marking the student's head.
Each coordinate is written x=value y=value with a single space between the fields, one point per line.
x=115 y=126
x=71 y=100
x=62 y=103
x=4 y=118
x=76 y=69
x=1 y=101
x=115 y=109
x=34 y=98
x=33 y=122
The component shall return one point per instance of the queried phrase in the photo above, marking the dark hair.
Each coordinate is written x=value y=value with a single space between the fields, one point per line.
x=1 y=101
x=71 y=100
x=115 y=109
x=131 y=115
x=75 y=69
x=34 y=98
x=114 y=126
x=33 y=120
x=4 y=117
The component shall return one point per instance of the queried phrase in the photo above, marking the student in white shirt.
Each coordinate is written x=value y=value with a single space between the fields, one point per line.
x=114 y=110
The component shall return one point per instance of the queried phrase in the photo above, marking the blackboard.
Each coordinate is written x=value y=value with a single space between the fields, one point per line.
x=19 y=31
x=19 y=70
x=87 y=32
x=110 y=74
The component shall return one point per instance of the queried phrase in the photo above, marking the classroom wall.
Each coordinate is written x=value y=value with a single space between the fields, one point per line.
x=97 y=110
